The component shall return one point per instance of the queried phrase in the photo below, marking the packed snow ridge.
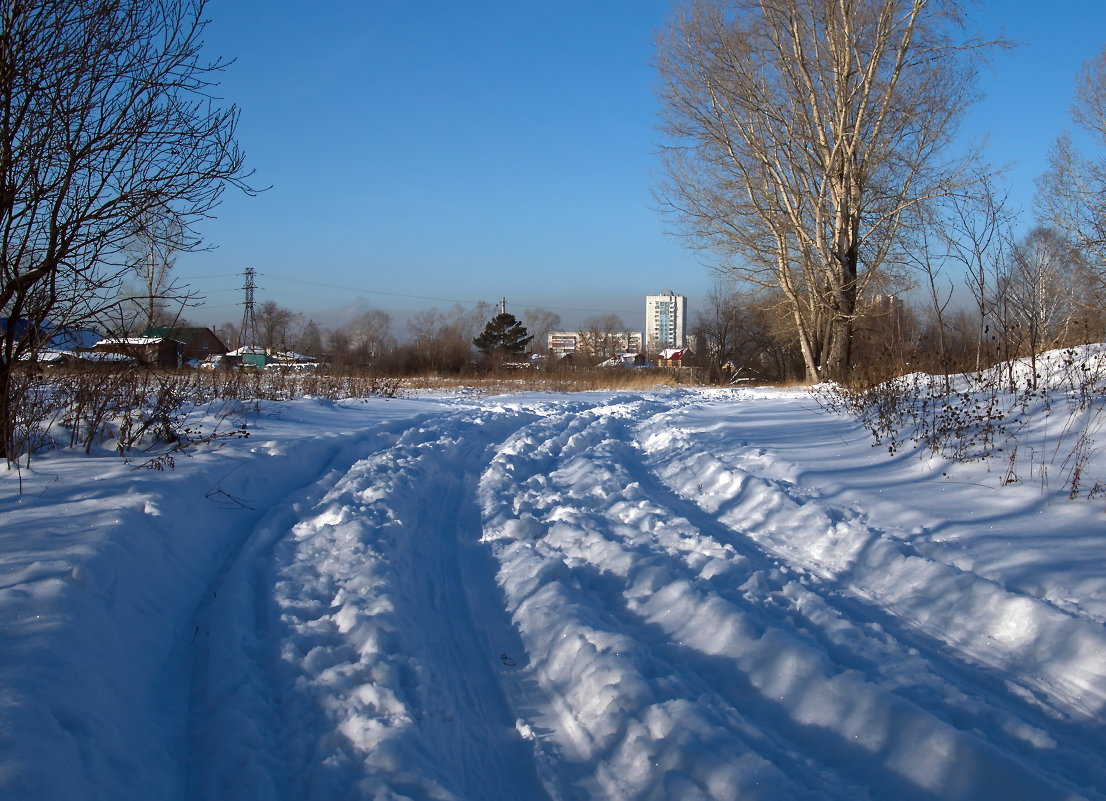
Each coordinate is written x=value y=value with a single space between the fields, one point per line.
x=681 y=594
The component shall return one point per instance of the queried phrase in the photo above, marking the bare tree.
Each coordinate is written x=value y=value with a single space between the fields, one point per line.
x=976 y=230
x=800 y=135
x=310 y=341
x=744 y=335
x=277 y=326
x=721 y=331
x=424 y=328
x=887 y=339
x=1037 y=290
x=465 y=323
x=339 y=347
x=106 y=116
x=602 y=337
x=444 y=342
x=1071 y=195
x=148 y=299
x=369 y=336
x=228 y=333
x=541 y=323
x=930 y=262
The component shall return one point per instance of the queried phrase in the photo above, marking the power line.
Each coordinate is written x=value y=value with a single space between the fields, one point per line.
x=467 y=302
x=448 y=300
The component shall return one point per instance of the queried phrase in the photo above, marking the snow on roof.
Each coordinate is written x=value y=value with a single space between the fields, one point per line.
x=621 y=360
x=53 y=355
x=291 y=356
x=135 y=341
x=45 y=356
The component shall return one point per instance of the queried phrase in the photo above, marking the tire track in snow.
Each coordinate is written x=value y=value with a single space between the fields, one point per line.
x=924 y=604
x=659 y=650
x=858 y=635
x=229 y=694
x=630 y=724
x=369 y=676
x=587 y=540
x=941 y=602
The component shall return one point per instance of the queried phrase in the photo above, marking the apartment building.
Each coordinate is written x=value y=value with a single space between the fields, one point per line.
x=598 y=344
x=665 y=321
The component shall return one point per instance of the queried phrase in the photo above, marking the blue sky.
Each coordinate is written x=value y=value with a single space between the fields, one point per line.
x=422 y=154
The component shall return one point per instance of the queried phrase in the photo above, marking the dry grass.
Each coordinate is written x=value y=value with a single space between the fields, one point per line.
x=538 y=381
x=134 y=408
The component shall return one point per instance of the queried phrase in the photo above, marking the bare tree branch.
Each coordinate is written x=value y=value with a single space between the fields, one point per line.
x=803 y=134
x=106 y=118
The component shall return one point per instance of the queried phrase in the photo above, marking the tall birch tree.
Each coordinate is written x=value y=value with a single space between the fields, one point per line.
x=802 y=135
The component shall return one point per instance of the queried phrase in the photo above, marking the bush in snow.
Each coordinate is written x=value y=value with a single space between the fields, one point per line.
x=1036 y=416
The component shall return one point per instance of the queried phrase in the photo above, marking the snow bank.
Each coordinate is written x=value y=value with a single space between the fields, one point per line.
x=682 y=594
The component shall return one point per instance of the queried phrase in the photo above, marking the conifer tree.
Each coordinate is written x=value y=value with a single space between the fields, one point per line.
x=503 y=336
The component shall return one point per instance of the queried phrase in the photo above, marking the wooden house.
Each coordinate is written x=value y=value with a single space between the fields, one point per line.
x=199 y=343
x=149 y=351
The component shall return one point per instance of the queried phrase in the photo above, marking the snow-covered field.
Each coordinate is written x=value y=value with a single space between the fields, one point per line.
x=682 y=594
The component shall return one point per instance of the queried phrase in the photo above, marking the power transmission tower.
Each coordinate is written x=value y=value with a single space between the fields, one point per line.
x=247 y=332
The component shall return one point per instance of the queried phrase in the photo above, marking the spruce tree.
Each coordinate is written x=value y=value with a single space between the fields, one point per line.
x=503 y=336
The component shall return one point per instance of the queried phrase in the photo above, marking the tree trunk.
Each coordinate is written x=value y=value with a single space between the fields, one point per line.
x=817 y=125
x=7 y=414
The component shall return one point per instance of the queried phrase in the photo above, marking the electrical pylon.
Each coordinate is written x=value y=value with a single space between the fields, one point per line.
x=247 y=333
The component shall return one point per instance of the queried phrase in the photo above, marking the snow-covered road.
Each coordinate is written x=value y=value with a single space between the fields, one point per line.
x=671 y=595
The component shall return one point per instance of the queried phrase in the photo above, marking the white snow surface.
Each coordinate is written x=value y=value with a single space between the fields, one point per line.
x=681 y=594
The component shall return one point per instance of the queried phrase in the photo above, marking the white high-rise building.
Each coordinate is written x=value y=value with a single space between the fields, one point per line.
x=665 y=321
